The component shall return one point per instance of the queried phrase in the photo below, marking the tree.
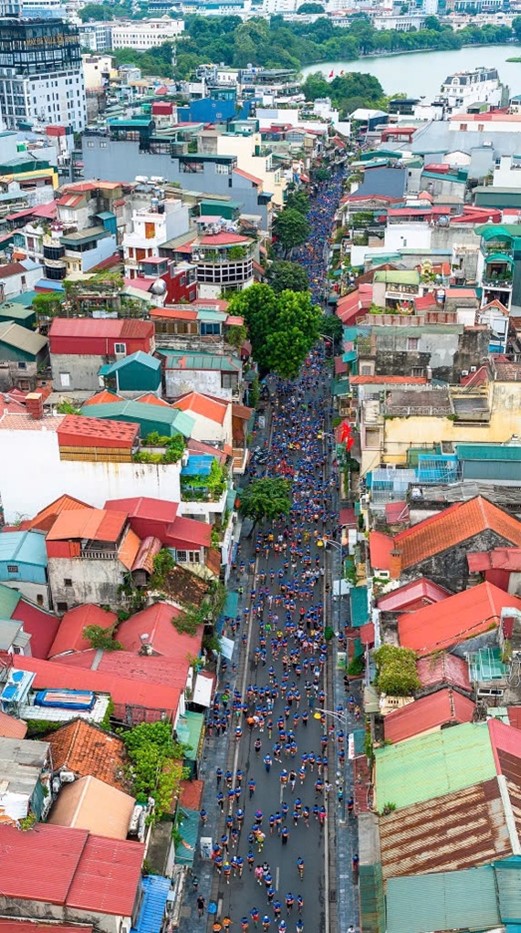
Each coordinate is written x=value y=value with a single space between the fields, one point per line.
x=311 y=8
x=396 y=672
x=283 y=275
x=282 y=327
x=163 y=564
x=315 y=86
x=48 y=305
x=332 y=327
x=236 y=336
x=516 y=27
x=299 y=201
x=155 y=764
x=291 y=229
x=101 y=638
x=265 y=499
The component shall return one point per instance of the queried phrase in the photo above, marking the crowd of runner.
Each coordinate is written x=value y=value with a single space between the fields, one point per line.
x=290 y=637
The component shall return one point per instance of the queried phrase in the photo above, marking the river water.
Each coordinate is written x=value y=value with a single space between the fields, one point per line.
x=421 y=73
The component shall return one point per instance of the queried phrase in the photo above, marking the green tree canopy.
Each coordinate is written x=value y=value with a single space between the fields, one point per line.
x=282 y=327
x=283 y=275
x=298 y=201
x=396 y=672
x=266 y=499
x=311 y=8
x=291 y=229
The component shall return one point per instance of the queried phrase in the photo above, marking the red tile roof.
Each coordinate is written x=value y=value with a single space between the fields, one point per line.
x=39 y=624
x=87 y=750
x=455 y=619
x=36 y=926
x=177 y=314
x=430 y=712
x=69 y=636
x=90 y=524
x=156 y=622
x=11 y=728
x=444 y=669
x=421 y=592
x=456 y=524
x=253 y=178
x=380 y=547
x=514 y=716
x=211 y=408
x=79 y=431
x=150 y=700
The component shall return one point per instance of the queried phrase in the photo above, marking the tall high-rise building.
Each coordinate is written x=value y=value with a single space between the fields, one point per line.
x=41 y=75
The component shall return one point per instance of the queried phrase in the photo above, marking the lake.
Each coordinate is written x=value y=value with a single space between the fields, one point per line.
x=422 y=73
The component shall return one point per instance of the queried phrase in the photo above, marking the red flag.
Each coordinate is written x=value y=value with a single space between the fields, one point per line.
x=331 y=73
x=345 y=431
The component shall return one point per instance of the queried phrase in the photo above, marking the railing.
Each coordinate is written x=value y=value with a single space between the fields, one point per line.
x=496 y=282
x=403 y=411
x=95 y=554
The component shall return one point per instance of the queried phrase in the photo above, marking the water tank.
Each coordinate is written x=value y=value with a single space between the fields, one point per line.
x=159 y=287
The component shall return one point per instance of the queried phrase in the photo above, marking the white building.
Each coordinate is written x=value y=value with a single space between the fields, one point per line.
x=96 y=36
x=41 y=75
x=273 y=7
x=96 y=71
x=472 y=87
x=146 y=34
x=430 y=7
x=149 y=229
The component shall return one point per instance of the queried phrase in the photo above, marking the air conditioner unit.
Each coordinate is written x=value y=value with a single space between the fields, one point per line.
x=473 y=369
x=464 y=372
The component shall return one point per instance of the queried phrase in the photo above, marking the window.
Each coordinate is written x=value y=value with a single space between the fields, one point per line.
x=367 y=369
x=67 y=581
x=39 y=599
x=413 y=343
x=62 y=607
x=417 y=371
x=22 y=365
x=65 y=380
x=12 y=568
x=188 y=557
x=120 y=348
x=372 y=438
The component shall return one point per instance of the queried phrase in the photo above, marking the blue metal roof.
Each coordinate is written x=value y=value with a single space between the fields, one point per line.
x=23 y=547
x=155 y=894
x=198 y=465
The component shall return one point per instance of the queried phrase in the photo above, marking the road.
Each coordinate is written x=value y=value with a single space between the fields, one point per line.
x=297 y=416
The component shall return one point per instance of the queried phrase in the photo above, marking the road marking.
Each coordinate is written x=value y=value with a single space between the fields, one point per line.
x=277 y=878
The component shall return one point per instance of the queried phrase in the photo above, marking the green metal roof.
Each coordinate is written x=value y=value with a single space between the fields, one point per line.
x=433 y=765
x=400 y=277
x=189 y=730
x=496 y=231
x=359 y=609
x=144 y=359
x=340 y=387
x=489 y=451
x=178 y=359
x=9 y=600
x=455 y=900
x=509 y=891
x=499 y=257
x=177 y=421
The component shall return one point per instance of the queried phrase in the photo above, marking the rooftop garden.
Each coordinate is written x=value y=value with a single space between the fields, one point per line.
x=159 y=448
x=207 y=484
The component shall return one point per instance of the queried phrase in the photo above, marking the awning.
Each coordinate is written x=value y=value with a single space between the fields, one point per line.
x=359 y=610
x=187 y=825
x=203 y=690
x=190 y=730
x=155 y=896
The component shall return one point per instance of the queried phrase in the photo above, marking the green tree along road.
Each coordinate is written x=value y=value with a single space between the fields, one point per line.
x=275 y=43
x=266 y=498
x=290 y=229
x=283 y=275
x=282 y=327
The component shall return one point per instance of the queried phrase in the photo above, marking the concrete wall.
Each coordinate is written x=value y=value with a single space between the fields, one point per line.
x=31 y=591
x=445 y=351
x=82 y=369
x=38 y=910
x=122 y=161
x=93 y=581
x=178 y=382
x=450 y=568
x=24 y=454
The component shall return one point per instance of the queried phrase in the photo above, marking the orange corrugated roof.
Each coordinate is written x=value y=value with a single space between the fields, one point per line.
x=430 y=712
x=151 y=399
x=454 y=620
x=11 y=728
x=91 y=524
x=455 y=524
x=45 y=518
x=387 y=380
x=129 y=549
x=203 y=405
x=104 y=398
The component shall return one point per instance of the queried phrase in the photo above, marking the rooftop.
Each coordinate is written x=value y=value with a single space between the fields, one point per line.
x=206 y=405
x=431 y=712
x=23 y=547
x=89 y=803
x=101 y=327
x=88 y=524
x=420 y=592
x=87 y=749
x=156 y=623
x=443 y=668
x=97 y=432
x=462 y=616
x=70 y=633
